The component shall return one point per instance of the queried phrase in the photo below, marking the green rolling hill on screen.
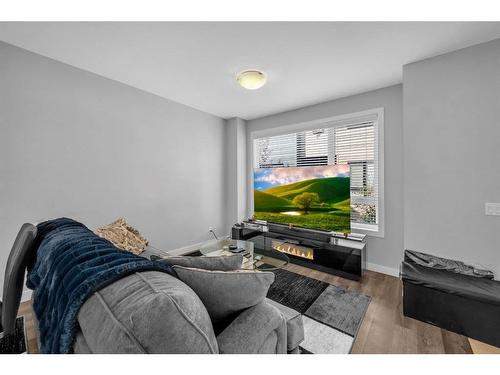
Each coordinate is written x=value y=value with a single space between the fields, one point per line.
x=331 y=212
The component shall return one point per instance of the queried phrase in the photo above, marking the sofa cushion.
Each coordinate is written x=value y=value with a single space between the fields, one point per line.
x=258 y=329
x=147 y=312
x=226 y=293
x=211 y=263
x=80 y=346
x=294 y=325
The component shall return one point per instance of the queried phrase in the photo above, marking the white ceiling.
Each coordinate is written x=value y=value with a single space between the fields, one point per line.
x=196 y=63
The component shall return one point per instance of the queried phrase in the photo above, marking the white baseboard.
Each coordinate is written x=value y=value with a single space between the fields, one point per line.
x=382 y=269
x=26 y=296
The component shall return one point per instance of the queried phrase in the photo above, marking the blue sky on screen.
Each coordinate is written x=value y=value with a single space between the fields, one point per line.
x=266 y=178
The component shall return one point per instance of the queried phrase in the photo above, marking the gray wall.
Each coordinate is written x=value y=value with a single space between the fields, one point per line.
x=76 y=144
x=384 y=254
x=452 y=154
x=236 y=183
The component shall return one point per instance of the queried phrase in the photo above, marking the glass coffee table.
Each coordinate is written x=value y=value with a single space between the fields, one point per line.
x=253 y=258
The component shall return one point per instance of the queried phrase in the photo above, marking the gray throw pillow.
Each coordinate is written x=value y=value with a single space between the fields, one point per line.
x=225 y=293
x=215 y=263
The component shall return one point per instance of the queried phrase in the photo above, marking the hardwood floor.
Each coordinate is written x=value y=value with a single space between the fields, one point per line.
x=479 y=347
x=384 y=328
x=29 y=326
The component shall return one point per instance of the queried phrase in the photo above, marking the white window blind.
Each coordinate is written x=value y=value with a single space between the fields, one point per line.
x=352 y=144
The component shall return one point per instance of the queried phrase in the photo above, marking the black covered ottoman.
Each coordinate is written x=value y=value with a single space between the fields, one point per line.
x=463 y=304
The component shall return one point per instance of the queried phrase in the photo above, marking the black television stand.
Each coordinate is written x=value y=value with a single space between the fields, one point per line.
x=315 y=249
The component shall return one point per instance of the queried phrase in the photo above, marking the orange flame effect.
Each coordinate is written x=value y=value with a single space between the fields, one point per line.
x=296 y=250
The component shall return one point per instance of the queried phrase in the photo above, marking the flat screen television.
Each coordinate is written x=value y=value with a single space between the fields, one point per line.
x=316 y=197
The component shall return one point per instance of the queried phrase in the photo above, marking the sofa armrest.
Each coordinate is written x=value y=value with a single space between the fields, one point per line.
x=21 y=256
x=258 y=329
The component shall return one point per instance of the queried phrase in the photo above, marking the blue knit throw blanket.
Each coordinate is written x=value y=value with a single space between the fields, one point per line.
x=71 y=264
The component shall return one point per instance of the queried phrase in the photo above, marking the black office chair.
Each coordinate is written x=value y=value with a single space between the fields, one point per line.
x=21 y=256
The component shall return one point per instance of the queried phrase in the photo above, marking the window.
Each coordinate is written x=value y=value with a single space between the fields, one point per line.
x=352 y=142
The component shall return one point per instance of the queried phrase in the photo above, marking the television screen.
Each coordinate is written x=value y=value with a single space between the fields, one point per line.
x=315 y=197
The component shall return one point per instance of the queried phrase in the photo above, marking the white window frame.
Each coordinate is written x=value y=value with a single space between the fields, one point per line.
x=376 y=115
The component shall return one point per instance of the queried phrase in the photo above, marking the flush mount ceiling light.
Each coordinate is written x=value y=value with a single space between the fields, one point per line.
x=251 y=79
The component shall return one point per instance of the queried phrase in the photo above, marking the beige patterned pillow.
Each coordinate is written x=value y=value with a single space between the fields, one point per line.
x=123 y=236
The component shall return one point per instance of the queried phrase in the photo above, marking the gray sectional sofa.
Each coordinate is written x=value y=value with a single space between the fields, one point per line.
x=154 y=312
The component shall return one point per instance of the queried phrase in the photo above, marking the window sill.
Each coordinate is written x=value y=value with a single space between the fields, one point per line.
x=369 y=230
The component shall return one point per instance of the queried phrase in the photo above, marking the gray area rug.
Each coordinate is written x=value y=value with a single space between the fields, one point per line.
x=340 y=308
x=16 y=342
x=332 y=322
x=322 y=339
x=295 y=291
x=332 y=315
